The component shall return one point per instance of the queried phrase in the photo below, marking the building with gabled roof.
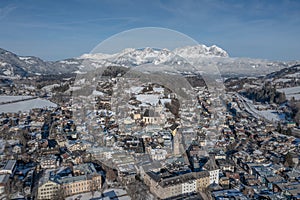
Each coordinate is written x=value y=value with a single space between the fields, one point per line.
x=165 y=184
x=213 y=169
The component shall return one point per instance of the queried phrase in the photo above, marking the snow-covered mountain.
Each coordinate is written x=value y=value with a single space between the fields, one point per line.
x=201 y=51
x=182 y=58
x=12 y=65
x=133 y=57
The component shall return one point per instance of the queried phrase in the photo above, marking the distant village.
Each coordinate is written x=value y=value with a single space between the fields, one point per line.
x=126 y=139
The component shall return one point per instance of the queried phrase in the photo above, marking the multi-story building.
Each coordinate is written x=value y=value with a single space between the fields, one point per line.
x=80 y=184
x=202 y=180
x=9 y=167
x=152 y=117
x=213 y=169
x=48 y=162
x=47 y=188
x=85 y=178
x=196 y=155
x=189 y=186
x=166 y=185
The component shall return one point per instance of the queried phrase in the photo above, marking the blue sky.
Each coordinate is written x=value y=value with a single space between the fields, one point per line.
x=57 y=29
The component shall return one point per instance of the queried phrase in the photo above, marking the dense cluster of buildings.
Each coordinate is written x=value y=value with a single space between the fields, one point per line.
x=207 y=146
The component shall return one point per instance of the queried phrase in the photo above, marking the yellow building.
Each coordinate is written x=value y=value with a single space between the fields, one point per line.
x=202 y=180
x=85 y=179
x=48 y=190
x=80 y=184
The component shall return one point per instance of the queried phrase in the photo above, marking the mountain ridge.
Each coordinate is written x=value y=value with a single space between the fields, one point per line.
x=12 y=65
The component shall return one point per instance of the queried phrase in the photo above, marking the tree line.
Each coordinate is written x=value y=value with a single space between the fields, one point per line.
x=266 y=94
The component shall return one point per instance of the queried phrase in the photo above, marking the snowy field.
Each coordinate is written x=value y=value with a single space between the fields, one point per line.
x=48 y=88
x=291 y=92
x=284 y=80
x=135 y=90
x=294 y=75
x=4 y=99
x=98 y=93
x=25 y=106
x=296 y=96
x=270 y=115
x=151 y=99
